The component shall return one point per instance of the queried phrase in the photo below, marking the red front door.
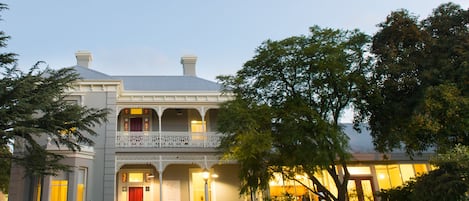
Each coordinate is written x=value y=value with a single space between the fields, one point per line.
x=135 y=193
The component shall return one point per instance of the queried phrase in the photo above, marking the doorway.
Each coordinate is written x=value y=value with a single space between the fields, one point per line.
x=135 y=193
x=360 y=189
x=136 y=124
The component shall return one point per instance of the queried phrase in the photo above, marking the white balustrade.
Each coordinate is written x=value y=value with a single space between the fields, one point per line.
x=167 y=139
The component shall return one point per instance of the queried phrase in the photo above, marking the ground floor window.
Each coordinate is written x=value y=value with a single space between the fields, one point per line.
x=59 y=187
x=390 y=176
x=81 y=184
x=364 y=181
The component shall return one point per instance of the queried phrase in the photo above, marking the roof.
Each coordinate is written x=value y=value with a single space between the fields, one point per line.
x=90 y=74
x=167 y=83
x=152 y=83
x=362 y=142
x=359 y=142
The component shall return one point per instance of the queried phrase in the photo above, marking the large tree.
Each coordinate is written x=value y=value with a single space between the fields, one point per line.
x=288 y=101
x=33 y=109
x=420 y=93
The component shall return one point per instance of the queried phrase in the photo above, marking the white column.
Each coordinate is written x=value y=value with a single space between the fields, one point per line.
x=160 y=176
x=204 y=130
x=160 y=114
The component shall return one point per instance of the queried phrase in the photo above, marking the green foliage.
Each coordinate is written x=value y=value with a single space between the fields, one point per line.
x=247 y=140
x=288 y=100
x=33 y=109
x=448 y=183
x=5 y=164
x=419 y=92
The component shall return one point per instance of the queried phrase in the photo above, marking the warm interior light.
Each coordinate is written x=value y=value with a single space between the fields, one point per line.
x=136 y=111
x=214 y=175
x=359 y=170
x=381 y=176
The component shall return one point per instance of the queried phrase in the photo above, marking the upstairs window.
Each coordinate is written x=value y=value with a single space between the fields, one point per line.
x=198 y=126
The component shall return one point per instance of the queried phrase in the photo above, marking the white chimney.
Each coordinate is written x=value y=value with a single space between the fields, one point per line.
x=188 y=65
x=84 y=58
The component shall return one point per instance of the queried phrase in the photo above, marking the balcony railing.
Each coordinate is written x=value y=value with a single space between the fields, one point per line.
x=167 y=139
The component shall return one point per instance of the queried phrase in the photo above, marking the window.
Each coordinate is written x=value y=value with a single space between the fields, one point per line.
x=420 y=169
x=390 y=176
x=59 y=187
x=134 y=111
x=407 y=171
x=135 y=177
x=81 y=184
x=362 y=170
x=198 y=126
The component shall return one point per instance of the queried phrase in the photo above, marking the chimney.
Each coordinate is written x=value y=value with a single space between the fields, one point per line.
x=84 y=58
x=188 y=65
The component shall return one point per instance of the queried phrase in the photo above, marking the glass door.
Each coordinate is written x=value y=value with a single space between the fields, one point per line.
x=360 y=189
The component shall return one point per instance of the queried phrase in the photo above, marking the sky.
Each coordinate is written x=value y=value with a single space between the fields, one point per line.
x=148 y=37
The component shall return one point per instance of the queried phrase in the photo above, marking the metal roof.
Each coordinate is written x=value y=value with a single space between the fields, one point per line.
x=152 y=83
x=90 y=74
x=167 y=83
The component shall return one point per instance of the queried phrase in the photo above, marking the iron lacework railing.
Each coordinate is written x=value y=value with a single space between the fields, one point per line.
x=125 y=139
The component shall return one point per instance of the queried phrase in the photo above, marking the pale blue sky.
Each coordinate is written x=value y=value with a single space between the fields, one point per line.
x=148 y=37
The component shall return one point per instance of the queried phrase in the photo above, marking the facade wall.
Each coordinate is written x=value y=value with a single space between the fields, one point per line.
x=102 y=180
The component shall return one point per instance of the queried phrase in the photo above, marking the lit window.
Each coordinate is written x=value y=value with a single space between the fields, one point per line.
x=382 y=176
x=136 y=111
x=81 y=185
x=197 y=126
x=280 y=186
x=389 y=176
x=420 y=169
x=365 y=170
x=59 y=187
x=136 y=177
x=407 y=171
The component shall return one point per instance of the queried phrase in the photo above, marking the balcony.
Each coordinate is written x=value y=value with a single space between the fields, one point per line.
x=167 y=140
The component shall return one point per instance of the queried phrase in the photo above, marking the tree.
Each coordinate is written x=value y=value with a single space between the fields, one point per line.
x=5 y=153
x=33 y=109
x=288 y=101
x=419 y=96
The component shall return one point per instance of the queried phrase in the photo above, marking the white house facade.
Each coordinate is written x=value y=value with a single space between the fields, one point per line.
x=159 y=139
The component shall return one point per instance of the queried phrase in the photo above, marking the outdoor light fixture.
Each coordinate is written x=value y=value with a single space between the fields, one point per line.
x=214 y=175
x=205 y=175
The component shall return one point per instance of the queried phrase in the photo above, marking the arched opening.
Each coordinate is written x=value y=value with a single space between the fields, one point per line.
x=136 y=182
x=137 y=120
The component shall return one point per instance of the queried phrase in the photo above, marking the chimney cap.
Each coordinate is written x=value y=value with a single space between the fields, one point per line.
x=188 y=65
x=188 y=59
x=84 y=58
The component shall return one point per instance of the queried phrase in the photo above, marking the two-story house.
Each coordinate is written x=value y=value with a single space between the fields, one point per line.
x=159 y=142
